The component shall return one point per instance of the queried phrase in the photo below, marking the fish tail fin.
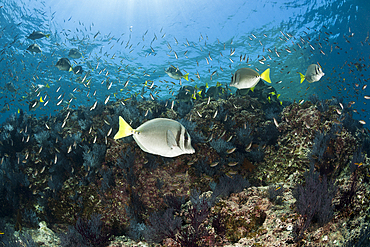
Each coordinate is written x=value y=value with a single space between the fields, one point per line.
x=302 y=77
x=124 y=129
x=252 y=89
x=47 y=85
x=186 y=77
x=266 y=75
x=70 y=69
x=41 y=100
x=47 y=35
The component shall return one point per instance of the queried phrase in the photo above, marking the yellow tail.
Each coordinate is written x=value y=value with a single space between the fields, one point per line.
x=186 y=77
x=41 y=100
x=266 y=75
x=124 y=129
x=302 y=77
x=47 y=35
x=70 y=69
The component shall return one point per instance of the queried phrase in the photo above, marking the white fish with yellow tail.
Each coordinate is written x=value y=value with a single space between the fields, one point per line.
x=34 y=48
x=176 y=74
x=74 y=53
x=160 y=136
x=313 y=74
x=248 y=78
x=64 y=64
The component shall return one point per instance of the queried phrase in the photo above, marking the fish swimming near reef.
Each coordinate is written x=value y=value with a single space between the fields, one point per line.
x=5 y=108
x=10 y=86
x=313 y=74
x=89 y=65
x=40 y=86
x=34 y=104
x=37 y=35
x=176 y=73
x=64 y=64
x=359 y=66
x=248 y=78
x=74 y=53
x=160 y=136
x=34 y=48
x=78 y=70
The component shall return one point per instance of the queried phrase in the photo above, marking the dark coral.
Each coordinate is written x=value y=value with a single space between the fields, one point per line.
x=314 y=202
x=163 y=225
x=227 y=185
x=86 y=233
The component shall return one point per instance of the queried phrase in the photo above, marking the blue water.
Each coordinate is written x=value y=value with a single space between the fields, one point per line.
x=137 y=41
x=128 y=45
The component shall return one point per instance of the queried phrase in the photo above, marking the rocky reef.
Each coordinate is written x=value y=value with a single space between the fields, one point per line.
x=265 y=173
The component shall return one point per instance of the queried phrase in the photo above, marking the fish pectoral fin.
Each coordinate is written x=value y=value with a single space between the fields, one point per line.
x=171 y=140
x=302 y=77
x=124 y=129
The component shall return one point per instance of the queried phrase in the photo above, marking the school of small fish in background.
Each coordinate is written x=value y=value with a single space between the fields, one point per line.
x=243 y=75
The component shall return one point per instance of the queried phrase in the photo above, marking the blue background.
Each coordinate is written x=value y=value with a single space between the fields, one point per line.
x=137 y=41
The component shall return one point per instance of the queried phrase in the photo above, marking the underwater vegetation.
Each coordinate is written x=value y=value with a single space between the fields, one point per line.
x=260 y=171
x=86 y=233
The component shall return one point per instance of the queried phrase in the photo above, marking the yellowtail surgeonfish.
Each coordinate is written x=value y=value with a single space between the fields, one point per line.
x=64 y=64
x=5 y=108
x=34 y=48
x=78 y=70
x=248 y=78
x=34 y=104
x=176 y=73
x=160 y=136
x=313 y=74
x=74 y=53
x=37 y=35
x=10 y=86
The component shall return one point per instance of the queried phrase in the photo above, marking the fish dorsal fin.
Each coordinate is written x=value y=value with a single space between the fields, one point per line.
x=171 y=140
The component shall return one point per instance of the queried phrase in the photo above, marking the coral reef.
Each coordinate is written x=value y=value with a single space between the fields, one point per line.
x=261 y=172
